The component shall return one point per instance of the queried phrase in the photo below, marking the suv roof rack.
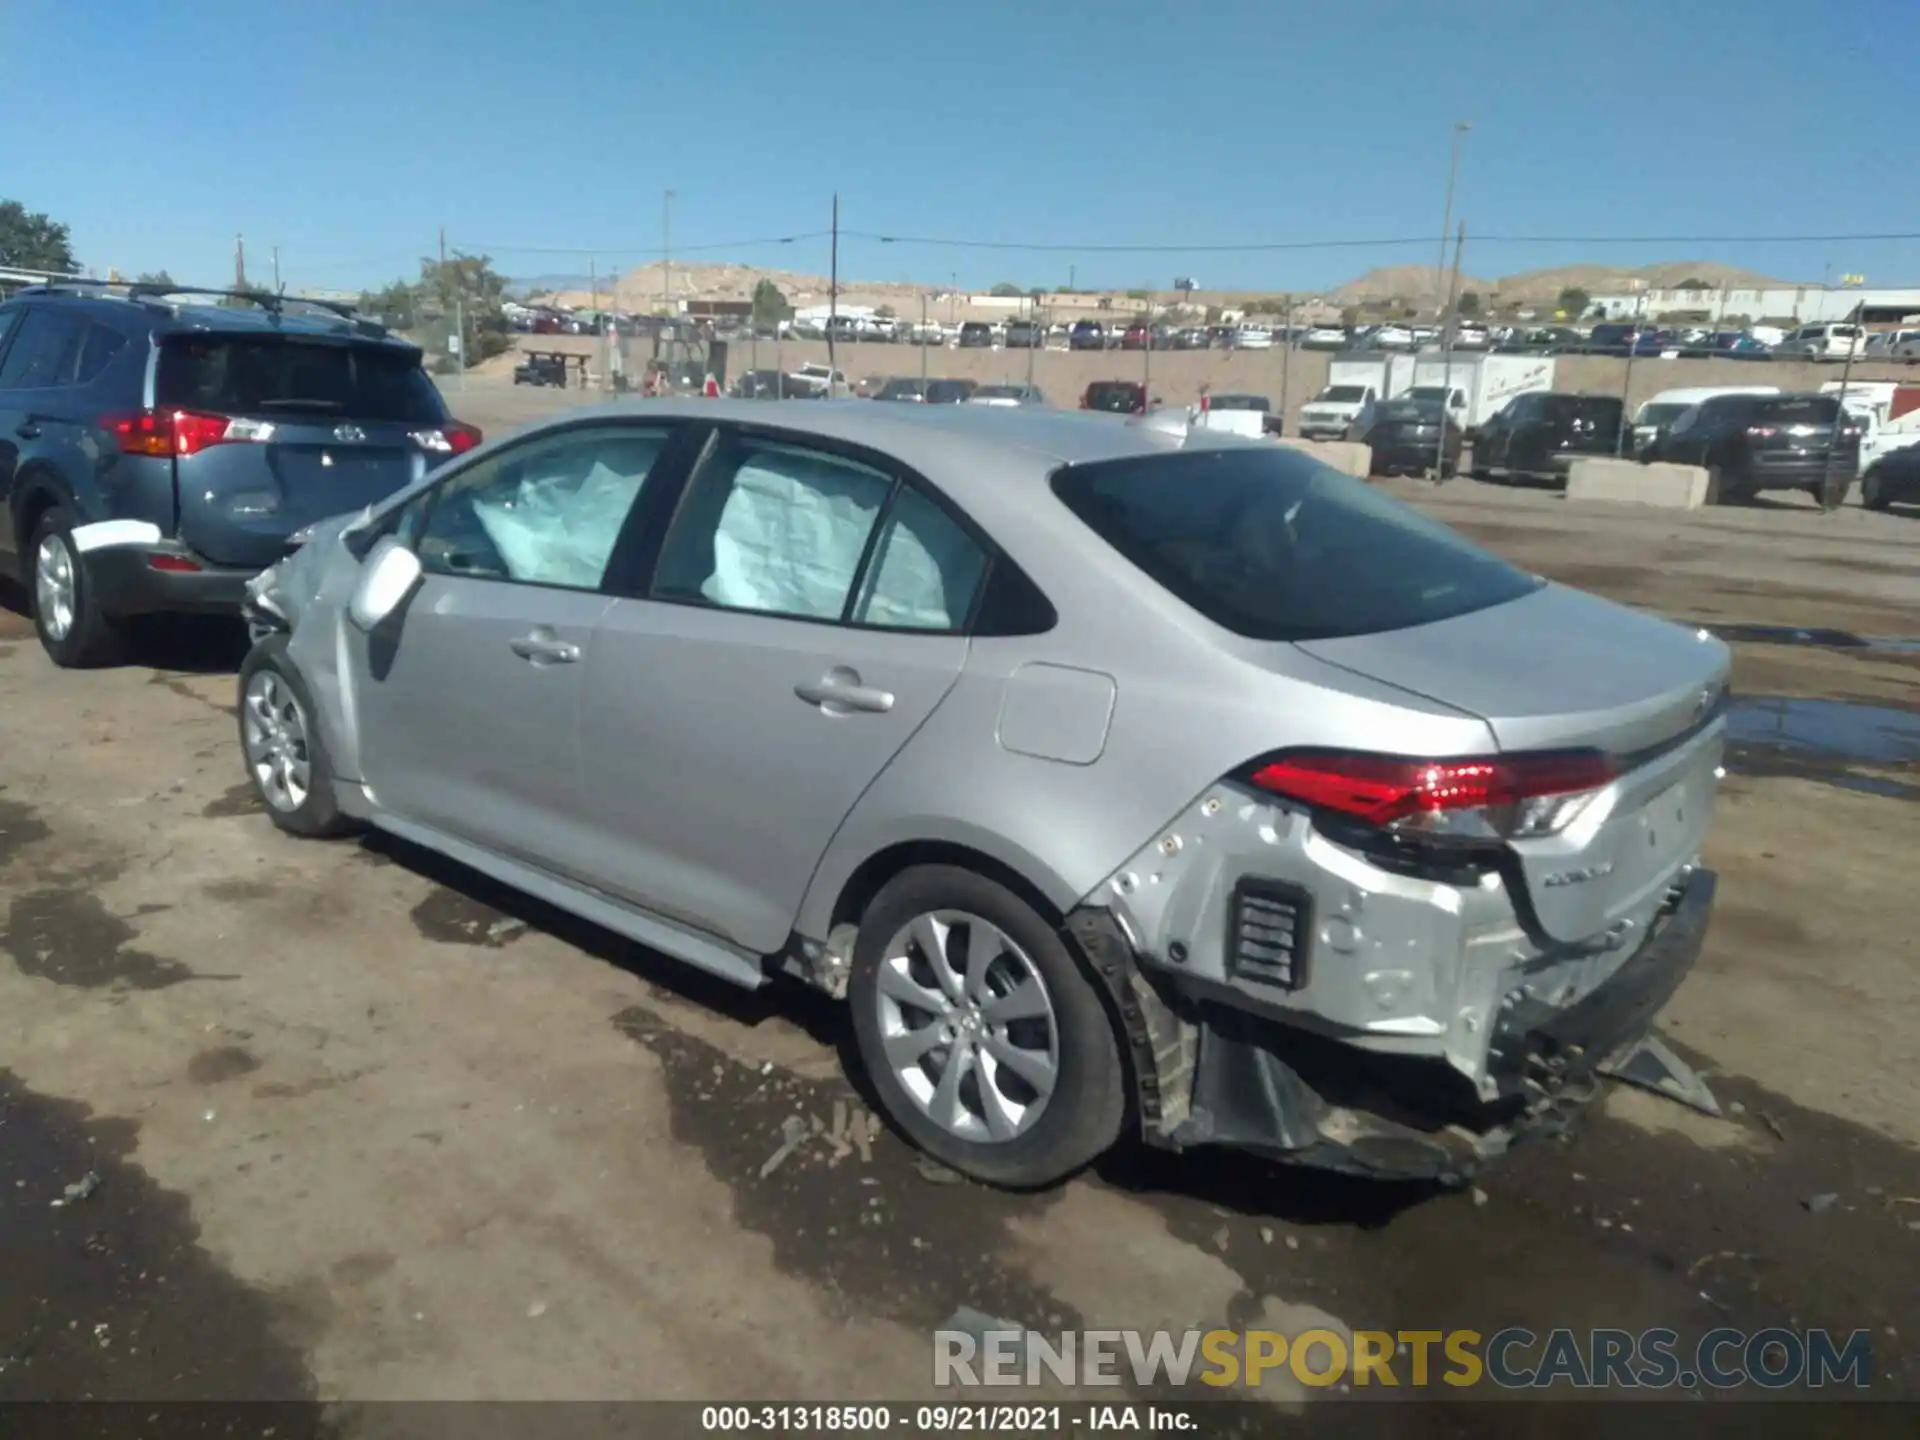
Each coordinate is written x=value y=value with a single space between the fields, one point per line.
x=152 y=293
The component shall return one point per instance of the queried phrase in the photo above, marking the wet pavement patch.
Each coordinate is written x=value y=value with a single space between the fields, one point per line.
x=109 y=1295
x=241 y=799
x=1851 y=745
x=451 y=918
x=858 y=1213
x=221 y=1063
x=1827 y=639
x=70 y=938
x=19 y=828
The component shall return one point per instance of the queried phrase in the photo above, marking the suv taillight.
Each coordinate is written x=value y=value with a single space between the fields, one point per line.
x=1496 y=797
x=452 y=438
x=180 y=432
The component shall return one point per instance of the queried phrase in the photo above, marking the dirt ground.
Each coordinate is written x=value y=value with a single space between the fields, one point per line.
x=1175 y=376
x=366 y=1127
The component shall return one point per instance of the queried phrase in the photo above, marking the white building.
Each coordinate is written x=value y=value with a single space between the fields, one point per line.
x=1802 y=303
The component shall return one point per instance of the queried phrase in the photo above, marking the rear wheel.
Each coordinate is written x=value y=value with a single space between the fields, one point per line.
x=75 y=632
x=983 y=1038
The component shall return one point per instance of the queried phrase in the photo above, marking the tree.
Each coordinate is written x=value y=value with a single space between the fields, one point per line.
x=155 y=277
x=1693 y=282
x=1006 y=290
x=1470 y=303
x=464 y=286
x=33 y=241
x=1136 y=295
x=1574 y=300
x=770 y=307
x=883 y=312
x=392 y=306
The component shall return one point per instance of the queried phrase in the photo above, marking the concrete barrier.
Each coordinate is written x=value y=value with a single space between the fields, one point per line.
x=1673 y=487
x=1346 y=456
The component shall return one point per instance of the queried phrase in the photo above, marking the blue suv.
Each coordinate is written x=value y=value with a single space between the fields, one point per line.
x=157 y=450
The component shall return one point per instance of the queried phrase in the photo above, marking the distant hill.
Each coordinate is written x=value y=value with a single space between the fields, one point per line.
x=1416 y=283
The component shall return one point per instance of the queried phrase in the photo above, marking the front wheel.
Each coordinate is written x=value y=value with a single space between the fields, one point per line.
x=286 y=757
x=1721 y=487
x=1873 y=493
x=984 y=1039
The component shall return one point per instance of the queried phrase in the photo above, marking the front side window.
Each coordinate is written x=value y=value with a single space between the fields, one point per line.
x=545 y=512
x=772 y=527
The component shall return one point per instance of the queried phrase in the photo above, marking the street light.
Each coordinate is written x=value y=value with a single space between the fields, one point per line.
x=1460 y=129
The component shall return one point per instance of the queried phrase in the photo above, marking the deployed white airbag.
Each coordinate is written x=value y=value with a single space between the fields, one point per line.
x=554 y=530
x=790 y=538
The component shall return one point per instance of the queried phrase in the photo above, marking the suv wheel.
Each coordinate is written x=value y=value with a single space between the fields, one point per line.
x=74 y=631
x=983 y=1038
x=286 y=759
x=1873 y=494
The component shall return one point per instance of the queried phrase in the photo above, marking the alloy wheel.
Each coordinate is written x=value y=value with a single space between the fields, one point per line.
x=54 y=588
x=274 y=735
x=968 y=1026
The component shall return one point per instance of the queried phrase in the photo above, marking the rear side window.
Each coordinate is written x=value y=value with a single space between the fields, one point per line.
x=97 y=350
x=43 y=354
x=243 y=374
x=1274 y=545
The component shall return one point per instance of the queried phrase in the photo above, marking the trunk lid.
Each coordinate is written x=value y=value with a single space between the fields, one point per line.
x=1562 y=670
x=335 y=416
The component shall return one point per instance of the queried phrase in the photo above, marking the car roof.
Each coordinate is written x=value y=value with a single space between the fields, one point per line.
x=1694 y=394
x=179 y=317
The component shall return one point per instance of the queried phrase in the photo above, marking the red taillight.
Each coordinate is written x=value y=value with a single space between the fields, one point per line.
x=179 y=564
x=452 y=438
x=174 y=432
x=1762 y=432
x=1499 y=795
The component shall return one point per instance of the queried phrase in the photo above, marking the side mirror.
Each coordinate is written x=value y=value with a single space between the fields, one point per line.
x=388 y=577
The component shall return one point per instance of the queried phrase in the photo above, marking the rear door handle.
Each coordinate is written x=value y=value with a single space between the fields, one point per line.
x=542 y=647
x=839 y=692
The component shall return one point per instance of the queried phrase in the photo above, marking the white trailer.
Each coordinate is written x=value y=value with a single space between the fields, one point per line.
x=1387 y=375
x=1489 y=381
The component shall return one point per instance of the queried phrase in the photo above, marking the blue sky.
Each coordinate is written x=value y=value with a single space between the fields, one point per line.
x=349 y=132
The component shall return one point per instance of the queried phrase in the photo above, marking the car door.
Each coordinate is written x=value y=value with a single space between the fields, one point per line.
x=39 y=361
x=807 y=613
x=468 y=709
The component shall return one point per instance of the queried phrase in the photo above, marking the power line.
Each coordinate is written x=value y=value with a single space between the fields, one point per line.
x=617 y=251
x=1251 y=247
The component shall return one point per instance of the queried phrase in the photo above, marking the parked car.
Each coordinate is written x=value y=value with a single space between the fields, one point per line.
x=976 y=335
x=1548 y=340
x=1117 y=397
x=1024 y=335
x=1087 y=335
x=1825 y=341
x=1472 y=337
x=1192 y=337
x=1405 y=436
x=1220 y=337
x=1007 y=396
x=1753 y=443
x=160 y=450
x=1737 y=345
x=1651 y=420
x=1538 y=436
x=541 y=368
x=1328 y=415
x=752 y=767
x=1390 y=337
x=950 y=392
x=1324 y=337
x=1253 y=337
x=1618 y=339
x=1134 y=337
x=767 y=385
x=904 y=389
x=816 y=381
x=1890 y=344
x=1250 y=415
x=1892 y=478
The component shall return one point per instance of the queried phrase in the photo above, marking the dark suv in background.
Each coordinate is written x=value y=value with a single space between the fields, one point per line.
x=156 y=451
x=1538 y=436
x=1751 y=443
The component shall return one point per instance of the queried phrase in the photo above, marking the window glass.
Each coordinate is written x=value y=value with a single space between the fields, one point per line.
x=772 y=527
x=925 y=569
x=546 y=512
x=44 y=351
x=102 y=343
x=264 y=373
x=1275 y=545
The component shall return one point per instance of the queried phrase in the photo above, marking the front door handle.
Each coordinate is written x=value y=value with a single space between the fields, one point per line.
x=542 y=647
x=839 y=692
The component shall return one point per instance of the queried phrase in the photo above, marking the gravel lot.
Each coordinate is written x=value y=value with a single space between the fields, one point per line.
x=367 y=1127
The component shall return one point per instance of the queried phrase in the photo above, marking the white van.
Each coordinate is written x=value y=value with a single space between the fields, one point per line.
x=1657 y=413
x=1823 y=342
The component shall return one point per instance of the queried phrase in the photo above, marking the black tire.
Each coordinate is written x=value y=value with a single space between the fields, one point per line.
x=1088 y=1104
x=1873 y=494
x=1722 y=489
x=92 y=637
x=317 y=816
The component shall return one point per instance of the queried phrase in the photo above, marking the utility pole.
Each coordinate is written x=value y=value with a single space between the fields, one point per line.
x=923 y=340
x=1626 y=379
x=666 y=251
x=833 y=291
x=277 y=287
x=239 y=262
x=593 y=291
x=1840 y=417
x=1033 y=338
x=443 y=244
x=1286 y=365
x=1072 y=273
x=1146 y=359
x=1460 y=128
x=1446 y=353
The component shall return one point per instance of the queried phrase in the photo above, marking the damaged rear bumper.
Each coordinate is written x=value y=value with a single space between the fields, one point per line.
x=1211 y=1073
